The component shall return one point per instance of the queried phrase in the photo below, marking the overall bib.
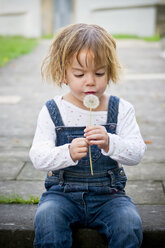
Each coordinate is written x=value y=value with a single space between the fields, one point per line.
x=108 y=177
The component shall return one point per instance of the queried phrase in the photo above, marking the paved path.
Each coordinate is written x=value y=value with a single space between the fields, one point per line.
x=22 y=94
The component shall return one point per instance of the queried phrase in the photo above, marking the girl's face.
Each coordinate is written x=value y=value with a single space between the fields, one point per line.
x=85 y=78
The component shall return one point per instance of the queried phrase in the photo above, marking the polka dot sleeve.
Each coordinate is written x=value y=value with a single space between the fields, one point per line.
x=127 y=147
x=43 y=153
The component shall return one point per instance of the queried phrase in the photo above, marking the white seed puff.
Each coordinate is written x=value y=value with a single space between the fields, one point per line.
x=91 y=101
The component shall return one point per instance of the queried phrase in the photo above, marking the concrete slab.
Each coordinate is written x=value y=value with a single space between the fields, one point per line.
x=15 y=141
x=146 y=192
x=10 y=169
x=154 y=156
x=21 y=216
x=30 y=173
x=10 y=99
x=150 y=171
x=16 y=153
x=22 y=188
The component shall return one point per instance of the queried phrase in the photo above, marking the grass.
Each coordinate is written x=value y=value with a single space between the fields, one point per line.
x=12 y=47
x=48 y=36
x=16 y=198
x=154 y=38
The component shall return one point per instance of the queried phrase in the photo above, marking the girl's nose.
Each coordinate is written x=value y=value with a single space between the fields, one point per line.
x=90 y=80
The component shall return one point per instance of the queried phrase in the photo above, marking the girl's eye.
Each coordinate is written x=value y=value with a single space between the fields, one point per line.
x=100 y=74
x=79 y=75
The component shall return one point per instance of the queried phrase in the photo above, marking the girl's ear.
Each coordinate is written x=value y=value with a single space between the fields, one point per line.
x=65 y=81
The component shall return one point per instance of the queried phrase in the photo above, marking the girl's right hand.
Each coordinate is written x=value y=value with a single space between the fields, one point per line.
x=78 y=148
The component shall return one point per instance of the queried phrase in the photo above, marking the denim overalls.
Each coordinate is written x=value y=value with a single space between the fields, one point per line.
x=76 y=198
x=108 y=177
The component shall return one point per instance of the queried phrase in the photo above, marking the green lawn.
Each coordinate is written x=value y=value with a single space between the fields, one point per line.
x=13 y=46
x=149 y=39
x=16 y=198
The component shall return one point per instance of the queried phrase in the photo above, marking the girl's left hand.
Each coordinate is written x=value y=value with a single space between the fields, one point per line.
x=97 y=135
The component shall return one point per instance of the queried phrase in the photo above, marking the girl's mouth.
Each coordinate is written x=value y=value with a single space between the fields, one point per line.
x=90 y=92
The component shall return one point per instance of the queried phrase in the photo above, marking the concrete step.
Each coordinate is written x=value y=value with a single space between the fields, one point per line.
x=16 y=228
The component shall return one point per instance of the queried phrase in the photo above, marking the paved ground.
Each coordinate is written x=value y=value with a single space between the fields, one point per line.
x=22 y=94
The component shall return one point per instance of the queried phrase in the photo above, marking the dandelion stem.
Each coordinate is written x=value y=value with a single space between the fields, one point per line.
x=91 y=101
x=90 y=121
x=90 y=160
x=90 y=156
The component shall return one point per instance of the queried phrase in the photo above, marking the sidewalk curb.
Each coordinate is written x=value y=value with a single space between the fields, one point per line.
x=16 y=228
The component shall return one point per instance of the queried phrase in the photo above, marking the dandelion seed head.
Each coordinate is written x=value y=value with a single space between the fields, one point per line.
x=91 y=101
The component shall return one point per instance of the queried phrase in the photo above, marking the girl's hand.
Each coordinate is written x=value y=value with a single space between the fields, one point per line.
x=97 y=135
x=78 y=148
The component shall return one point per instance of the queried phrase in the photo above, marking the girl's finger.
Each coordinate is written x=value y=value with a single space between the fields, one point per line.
x=89 y=128
x=97 y=142
x=82 y=149
x=94 y=132
x=96 y=137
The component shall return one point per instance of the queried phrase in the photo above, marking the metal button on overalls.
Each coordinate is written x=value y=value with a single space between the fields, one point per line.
x=50 y=173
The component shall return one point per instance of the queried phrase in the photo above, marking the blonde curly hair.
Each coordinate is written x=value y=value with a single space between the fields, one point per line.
x=70 y=41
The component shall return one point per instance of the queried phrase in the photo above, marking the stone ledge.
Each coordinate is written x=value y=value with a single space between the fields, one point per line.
x=16 y=228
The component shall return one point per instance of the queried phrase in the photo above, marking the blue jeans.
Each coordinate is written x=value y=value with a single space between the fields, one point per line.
x=115 y=216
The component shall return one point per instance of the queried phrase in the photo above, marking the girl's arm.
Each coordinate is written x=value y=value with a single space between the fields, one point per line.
x=127 y=147
x=43 y=153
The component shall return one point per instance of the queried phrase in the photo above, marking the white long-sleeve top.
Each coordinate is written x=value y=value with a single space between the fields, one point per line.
x=126 y=146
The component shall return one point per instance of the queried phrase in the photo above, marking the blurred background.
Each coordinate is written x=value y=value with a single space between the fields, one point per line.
x=35 y=18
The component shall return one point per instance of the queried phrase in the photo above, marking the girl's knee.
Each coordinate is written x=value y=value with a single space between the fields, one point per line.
x=129 y=219
x=127 y=215
x=128 y=224
x=50 y=224
x=49 y=213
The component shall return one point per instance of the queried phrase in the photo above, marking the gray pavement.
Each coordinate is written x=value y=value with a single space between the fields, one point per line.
x=22 y=94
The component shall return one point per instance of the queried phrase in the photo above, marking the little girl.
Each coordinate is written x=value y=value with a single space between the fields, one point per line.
x=84 y=57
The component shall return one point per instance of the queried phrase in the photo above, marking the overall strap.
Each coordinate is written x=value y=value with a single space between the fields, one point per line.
x=113 y=107
x=54 y=113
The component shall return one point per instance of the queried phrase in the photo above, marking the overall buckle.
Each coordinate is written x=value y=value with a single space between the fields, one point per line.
x=112 y=177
